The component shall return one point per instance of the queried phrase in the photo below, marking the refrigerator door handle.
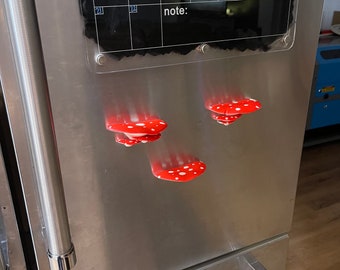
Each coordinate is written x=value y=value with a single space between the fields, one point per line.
x=39 y=129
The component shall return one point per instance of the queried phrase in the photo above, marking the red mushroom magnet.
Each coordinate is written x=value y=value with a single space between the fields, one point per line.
x=181 y=172
x=226 y=113
x=225 y=119
x=132 y=132
x=122 y=139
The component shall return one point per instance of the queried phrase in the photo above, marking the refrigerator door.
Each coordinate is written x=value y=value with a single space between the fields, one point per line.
x=265 y=256
x=121 y=215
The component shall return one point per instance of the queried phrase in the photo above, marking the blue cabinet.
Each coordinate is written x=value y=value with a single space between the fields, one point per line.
x=324 y=107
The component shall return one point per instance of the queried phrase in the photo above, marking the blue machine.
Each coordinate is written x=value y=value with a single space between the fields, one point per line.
x=324 y=107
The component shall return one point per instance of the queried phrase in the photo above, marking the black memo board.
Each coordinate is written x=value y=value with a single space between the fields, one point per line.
x=129 y=27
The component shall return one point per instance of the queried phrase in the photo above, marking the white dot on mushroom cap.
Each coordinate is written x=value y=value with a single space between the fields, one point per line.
x=152 y=129
x=159 y=176
x=176 y=178
x=257 y=107
x=186 y=167
x=246 y=104
x=162 y=123
x=237 y=109
x=130 y=126
x=140 y=124
x=195 y=172
x=182 y=173
x=235 y=102
x=191 y=169
x=202 y=168
x=171 y=172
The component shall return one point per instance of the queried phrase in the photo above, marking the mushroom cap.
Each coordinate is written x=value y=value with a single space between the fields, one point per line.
x=147 y=138
x=122 y=139
x=130 y=141
x=182 y=173
x=225 y=119
x=242 y=106
x=151 y=126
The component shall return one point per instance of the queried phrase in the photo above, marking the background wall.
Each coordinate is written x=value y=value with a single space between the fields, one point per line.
x=329 y=7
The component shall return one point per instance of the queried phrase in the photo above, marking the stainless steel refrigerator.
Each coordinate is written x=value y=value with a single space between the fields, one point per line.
x=152 y=134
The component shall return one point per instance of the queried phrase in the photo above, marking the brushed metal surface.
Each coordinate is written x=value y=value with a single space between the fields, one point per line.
x=63 y=261
x=11 y=88
x=31 y=74
x=121 y=217
x=262 y=257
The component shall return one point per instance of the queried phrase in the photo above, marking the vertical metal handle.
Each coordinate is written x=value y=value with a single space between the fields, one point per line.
x=25 y=38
